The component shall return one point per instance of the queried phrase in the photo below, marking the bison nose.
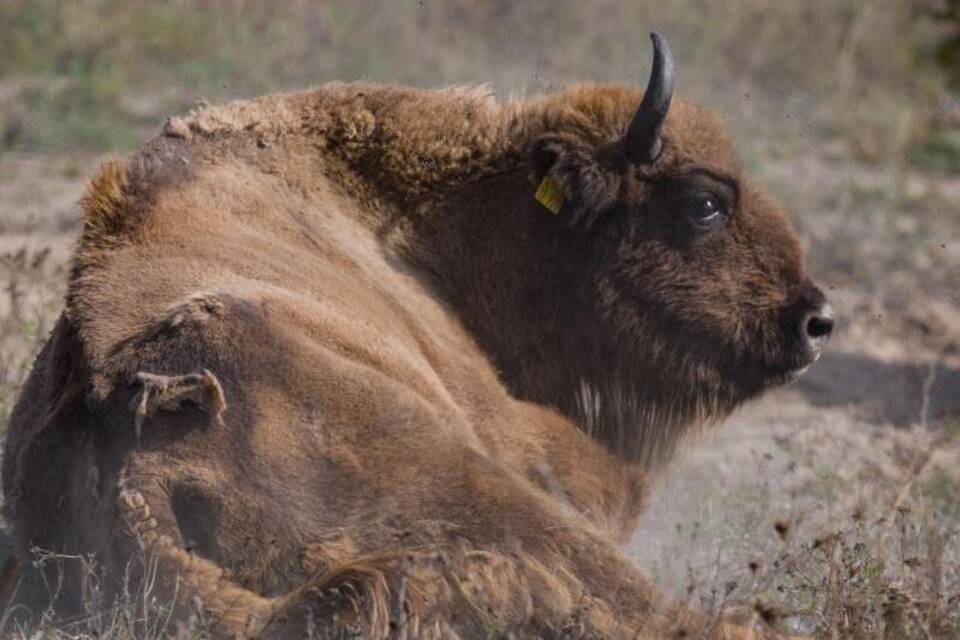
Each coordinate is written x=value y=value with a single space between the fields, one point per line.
x=818 y=325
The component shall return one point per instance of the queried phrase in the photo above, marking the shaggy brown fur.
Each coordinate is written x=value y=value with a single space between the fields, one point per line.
x=326 y=359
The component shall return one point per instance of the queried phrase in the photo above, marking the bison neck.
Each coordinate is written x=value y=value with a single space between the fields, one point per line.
x=522 y=285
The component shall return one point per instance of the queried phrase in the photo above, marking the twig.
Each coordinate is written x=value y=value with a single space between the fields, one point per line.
x=927 y=389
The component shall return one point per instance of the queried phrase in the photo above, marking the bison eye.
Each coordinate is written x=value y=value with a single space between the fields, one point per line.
x=705 y=210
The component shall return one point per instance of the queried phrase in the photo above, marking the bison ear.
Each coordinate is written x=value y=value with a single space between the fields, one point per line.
x=570 y=180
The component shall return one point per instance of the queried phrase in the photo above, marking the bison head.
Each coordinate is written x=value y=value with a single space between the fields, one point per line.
x=697 y=274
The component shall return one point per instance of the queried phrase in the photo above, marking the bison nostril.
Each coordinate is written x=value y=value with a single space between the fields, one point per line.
x=819 y=324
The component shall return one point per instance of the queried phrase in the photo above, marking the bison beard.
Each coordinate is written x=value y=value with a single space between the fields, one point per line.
x=329 y=366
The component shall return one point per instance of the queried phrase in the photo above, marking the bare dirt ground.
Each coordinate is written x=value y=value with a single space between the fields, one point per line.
x=860 y=449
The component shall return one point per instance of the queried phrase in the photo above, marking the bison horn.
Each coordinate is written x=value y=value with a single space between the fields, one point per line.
x=642 y=141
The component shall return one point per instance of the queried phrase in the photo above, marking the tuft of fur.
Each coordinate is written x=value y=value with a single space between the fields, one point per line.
x=104 y=204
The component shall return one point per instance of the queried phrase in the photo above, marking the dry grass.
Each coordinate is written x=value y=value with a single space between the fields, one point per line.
x=828 y=509
x=805 y=549
x=30 y=295
x=97 y=75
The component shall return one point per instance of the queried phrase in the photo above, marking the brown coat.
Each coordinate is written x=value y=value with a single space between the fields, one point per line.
x=327 y=359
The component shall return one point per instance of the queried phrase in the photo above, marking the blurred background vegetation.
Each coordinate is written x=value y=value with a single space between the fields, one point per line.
x=847 y=110
x=100 y=74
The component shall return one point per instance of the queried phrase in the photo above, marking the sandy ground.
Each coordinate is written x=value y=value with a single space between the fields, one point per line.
x=848 y=437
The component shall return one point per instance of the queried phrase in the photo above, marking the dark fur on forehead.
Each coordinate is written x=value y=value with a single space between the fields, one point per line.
x=697 y=136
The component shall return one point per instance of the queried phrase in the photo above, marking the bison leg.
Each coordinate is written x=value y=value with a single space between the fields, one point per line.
x=470 y=593
x=460 y=593
x=515 y=564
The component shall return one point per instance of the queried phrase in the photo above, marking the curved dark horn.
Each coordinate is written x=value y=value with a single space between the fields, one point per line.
x=643 y=137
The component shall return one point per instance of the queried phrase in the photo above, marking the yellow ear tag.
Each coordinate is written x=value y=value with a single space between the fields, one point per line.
x=550 y=195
